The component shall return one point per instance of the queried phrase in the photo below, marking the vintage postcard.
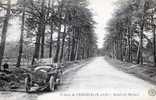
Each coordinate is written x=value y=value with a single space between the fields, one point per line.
x=77 y=49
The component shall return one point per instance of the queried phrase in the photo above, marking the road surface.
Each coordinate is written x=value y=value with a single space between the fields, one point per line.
x=97 y=78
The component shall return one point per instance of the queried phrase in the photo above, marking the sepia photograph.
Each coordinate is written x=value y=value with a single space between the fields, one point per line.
x=77 y=49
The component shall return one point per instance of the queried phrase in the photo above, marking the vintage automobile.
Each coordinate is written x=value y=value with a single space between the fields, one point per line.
x=44 y=75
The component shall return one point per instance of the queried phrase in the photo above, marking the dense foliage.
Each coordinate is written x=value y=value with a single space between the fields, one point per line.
x=132 y=32
x=61 y=29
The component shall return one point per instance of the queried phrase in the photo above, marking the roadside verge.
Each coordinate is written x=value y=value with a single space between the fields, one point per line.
x=145 y=72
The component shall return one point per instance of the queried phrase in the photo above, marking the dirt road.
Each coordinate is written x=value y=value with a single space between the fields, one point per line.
x=97 y=78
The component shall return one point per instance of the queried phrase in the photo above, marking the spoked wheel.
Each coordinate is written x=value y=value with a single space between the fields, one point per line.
x=27 y=84
x=52 y=84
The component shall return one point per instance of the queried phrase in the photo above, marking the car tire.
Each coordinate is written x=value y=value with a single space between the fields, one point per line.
x=51 y=84
x=27 y=84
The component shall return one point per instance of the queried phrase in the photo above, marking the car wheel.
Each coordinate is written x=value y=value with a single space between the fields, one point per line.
x=52 y=84
x=27 y=84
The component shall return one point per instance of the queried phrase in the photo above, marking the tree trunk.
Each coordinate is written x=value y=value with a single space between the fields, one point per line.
x=77 y=49
x=51 y=42
x=69 y=48
x=37 y=45
x=154 y=47
x=72 y=56
x=83 y=53
x=43 y=39
x=63 y=41
x=129 y=45
x=154 y=43
x=138 y=54
x=52 y=31
x=118 y=51
x=131 y=39
x=141 y=42
x=42 y=28
x=21 y=41
x=77 y=44
x=58 y=45
x=115 y=49
x=4 y=32
x=56 y=59
x=121 y=51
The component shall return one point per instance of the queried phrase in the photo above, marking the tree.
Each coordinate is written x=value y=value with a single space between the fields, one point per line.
x=21 y=37
x=38 y=17
x=60 y=9
x=133 y=20
x=4 y=30
x=71 y=16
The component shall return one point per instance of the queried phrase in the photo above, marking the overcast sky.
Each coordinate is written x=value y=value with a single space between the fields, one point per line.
x=102 y=10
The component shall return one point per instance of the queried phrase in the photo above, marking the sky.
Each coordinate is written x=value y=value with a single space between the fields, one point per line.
x=102 y=11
